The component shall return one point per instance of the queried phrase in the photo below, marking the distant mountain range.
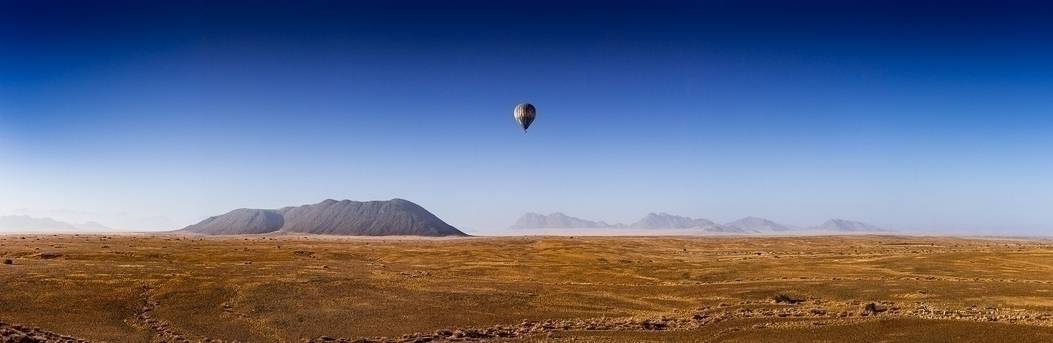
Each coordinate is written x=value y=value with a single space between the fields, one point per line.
x=557 y=220
x=331 y=217
x=402 y=217
x=33 y=224
x=666 y=221
x=841 y=225
x=755 y=224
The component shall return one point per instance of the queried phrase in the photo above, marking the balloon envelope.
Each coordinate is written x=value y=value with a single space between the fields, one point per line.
x=524 y=114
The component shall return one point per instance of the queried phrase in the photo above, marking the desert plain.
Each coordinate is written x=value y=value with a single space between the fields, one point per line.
x=170 y=288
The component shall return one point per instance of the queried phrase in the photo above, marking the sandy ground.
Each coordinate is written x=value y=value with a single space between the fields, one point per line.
x=142 y=288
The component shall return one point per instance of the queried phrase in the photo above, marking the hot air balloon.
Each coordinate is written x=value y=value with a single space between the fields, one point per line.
x=524 y=114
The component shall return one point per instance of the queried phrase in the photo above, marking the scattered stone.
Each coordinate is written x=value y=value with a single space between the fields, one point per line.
x=872 y=309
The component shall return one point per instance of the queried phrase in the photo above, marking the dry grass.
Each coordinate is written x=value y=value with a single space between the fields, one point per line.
x=260 y=289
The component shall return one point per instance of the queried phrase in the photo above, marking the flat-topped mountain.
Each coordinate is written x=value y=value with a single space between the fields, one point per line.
x=332 y=217
x=557 y=220
x=366 y=218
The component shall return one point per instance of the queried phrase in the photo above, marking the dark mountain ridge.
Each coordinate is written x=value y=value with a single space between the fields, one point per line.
x=331 y=217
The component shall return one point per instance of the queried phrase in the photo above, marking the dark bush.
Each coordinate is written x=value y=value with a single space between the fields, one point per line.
x=783 y=298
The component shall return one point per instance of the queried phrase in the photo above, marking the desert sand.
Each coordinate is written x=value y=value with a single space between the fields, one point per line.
x=154 y=288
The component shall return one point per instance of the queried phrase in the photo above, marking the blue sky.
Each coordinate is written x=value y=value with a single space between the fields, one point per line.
x=925 y=116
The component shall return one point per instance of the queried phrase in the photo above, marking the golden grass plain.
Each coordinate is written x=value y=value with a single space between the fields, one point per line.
x=162 y=288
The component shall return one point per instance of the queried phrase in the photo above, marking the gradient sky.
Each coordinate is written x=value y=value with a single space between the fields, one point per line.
x=909 y=115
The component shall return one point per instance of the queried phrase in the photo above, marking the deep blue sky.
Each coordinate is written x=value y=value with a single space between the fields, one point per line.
x=911 y=115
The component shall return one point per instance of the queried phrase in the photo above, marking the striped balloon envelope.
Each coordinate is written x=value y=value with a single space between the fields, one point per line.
x=524 y=114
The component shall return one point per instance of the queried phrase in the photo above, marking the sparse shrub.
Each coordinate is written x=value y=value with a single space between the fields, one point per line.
x=872 y=308
x=656 y=325
x=49 y=255
x=783 y=298
x=8 y=261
